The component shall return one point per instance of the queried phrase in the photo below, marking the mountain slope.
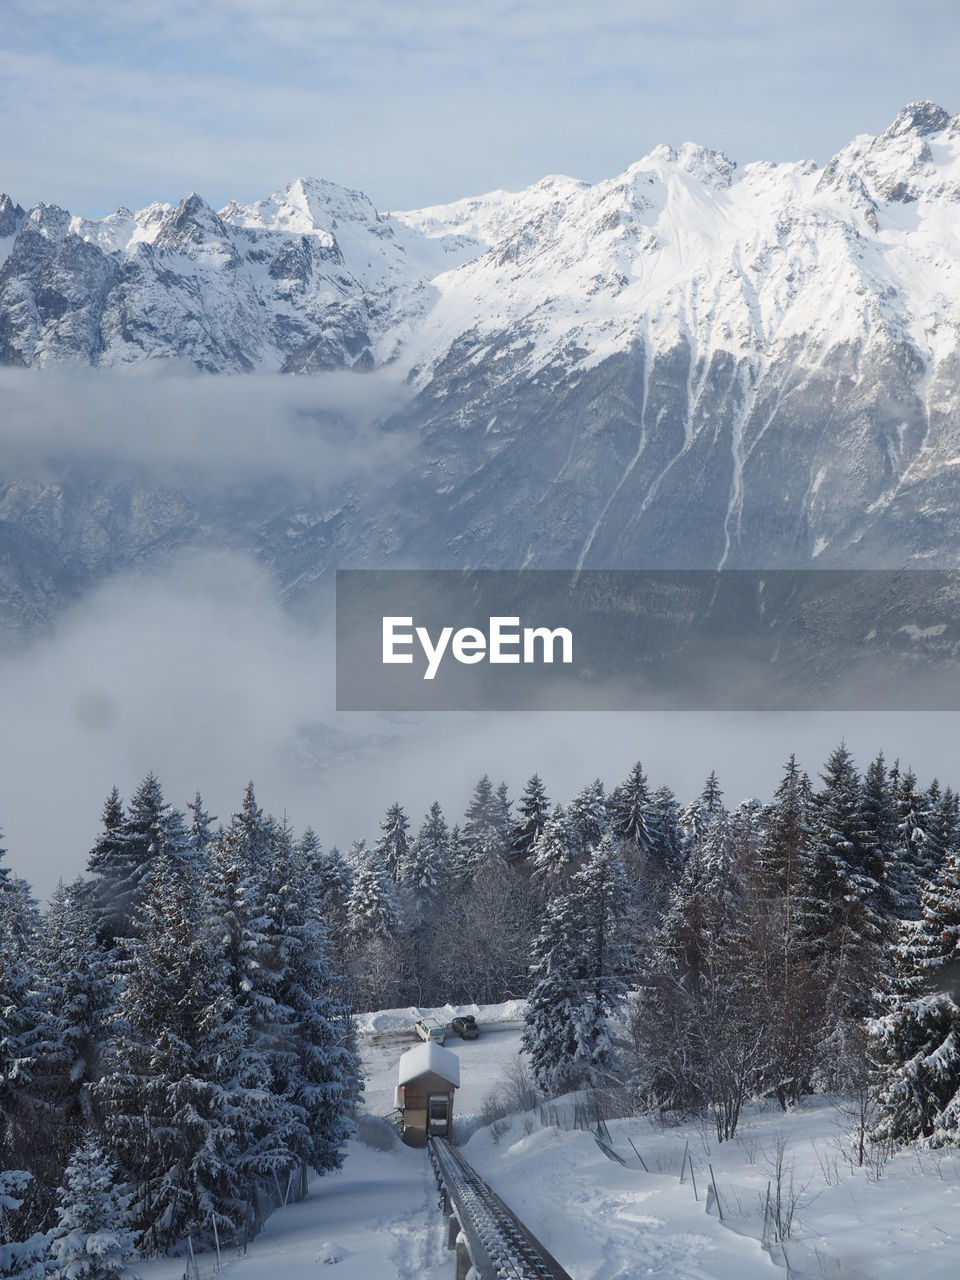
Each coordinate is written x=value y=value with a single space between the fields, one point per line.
x=684 y=365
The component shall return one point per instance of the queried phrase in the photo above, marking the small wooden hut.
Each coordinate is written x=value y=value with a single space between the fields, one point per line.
x=426 y=1081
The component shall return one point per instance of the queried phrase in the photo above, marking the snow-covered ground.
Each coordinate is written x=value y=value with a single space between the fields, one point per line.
x=378 y=1217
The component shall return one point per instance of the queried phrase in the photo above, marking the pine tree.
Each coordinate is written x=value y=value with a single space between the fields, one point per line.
x=555 y=853
x=918 y=856
x=24 y=1149
x=334 y=883
x=177 y=1110
x=92 y=1239
x=532 y=808
x=840 y=916
x=200 y=825
x=554 y=1002
x=629 y=810
x=580 y=961
x=21 y=1012
x=666 y=836
x=485 y=835
x=309 y=1037
x=879 y=810
x=427 y=865
x=587 y=819
x=372 y=909
x=126 y=850
x=698 y=816
x=78 y=993
x=393 y=844
x=600 y=894
x=917 y=1038
x=108 y=862
x=254 y=831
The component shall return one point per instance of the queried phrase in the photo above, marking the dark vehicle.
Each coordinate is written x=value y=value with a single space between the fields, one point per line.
x=465 y=1026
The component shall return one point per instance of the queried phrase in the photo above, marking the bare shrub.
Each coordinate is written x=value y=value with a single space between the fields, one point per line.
x=514 y=1092
x=787 y=1196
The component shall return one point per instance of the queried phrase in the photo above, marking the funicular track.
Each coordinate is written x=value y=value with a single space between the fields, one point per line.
x=499 y=1246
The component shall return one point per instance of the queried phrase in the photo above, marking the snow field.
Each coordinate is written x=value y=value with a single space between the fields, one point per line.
x=378 y=1216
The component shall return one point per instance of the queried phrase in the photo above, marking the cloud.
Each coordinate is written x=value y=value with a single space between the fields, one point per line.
x=196 y=672
x=196 y=431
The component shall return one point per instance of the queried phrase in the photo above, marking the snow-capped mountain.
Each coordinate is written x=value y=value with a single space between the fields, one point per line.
x=688 y=364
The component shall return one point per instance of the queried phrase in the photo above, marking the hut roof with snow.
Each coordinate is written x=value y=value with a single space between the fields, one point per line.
x=432 y=1059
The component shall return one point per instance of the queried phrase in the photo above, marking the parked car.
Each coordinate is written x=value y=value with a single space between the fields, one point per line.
x=465 y=1026
x=429 y=1030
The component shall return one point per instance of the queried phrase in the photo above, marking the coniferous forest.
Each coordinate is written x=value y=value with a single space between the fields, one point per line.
x=176 y=1035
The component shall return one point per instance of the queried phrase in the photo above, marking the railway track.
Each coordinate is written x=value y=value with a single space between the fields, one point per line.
x=500 y=1247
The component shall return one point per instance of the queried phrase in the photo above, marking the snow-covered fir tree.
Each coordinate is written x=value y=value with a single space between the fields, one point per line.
x=178 y=1113
x=533 y=808
x=917 y=1038
x=77 y=991
x=555 y=854
x=372 y=909
x=125 y=851
x=427 y=865
x=581 y=960
x=587 y=818
x=554 y=1002
x=485 y=833
x=201 y=825
x=92 y=1239
x=629 y=809
x=25 y=1152
x=393 y=843
x=308 y=1034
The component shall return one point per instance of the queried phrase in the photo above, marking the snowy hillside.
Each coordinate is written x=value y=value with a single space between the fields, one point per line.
x=609 y=1221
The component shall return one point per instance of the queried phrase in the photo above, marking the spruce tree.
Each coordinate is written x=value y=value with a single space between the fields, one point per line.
x=587 y=819
x=917 y=1037
x=580 y=961
x=532 y=812
x=92 y=1239
x=427 y=866
x=78 y=992
x=21 y=1022
x=372 y=909
x=393 y=844
x=309 y=1038
x=554 y=1002
x=629 y=809
x=200 y=826
x=176 y=1112
x=554 y=856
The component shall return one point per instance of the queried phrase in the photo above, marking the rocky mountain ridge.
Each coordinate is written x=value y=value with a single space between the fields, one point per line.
x=686 y=365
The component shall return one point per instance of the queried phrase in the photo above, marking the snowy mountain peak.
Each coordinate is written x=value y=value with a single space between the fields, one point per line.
x=308 y=206
x=192 y=224
x=712 y=168
x=916 y=158
x=49 y=220
x=11 y=216
x=922 y=118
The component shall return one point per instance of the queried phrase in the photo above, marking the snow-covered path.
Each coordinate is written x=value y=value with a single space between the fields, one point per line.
x=377 y=1217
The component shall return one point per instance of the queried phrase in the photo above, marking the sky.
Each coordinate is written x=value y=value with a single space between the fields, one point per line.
x=105 y=103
